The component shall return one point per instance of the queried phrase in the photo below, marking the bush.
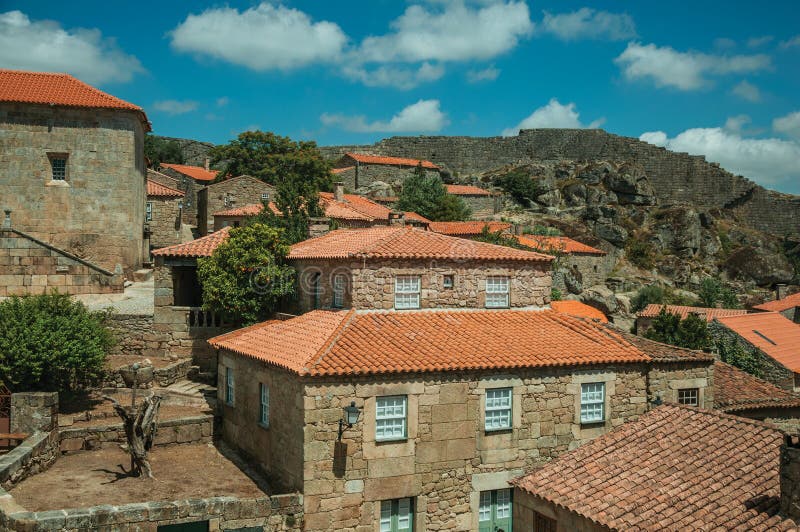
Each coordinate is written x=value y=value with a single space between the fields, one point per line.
x=691 y=333
x=426 y=195
x=159 y=150
x=646 y=295
x=519 y=185
x=641 y=253
x=555 y=294
x=713 y=291
x=51 y=343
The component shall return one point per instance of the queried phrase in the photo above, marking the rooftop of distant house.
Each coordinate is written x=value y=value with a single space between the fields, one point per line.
x=557 y=244
x=364 y=158
x=653 y=309
x=243 y=177
x=736 y=390
x=349 y=342
x=467 y=228
x=772 y=333
x=779 y=305
x=675 y=468
x=337 y=171
x=201 y=247
x=50 y=88
x=466 y=190
x=197 y=173
x=578 y=310
x=156 y=189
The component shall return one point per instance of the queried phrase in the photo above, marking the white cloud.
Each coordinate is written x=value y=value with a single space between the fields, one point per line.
x=747 y=91
x=736 y=124
x=43 y=45
x=452 y=32
x=724 y=43
x=553 y=115
x=399 y=77
x=487 y=74
x=222 y=101
x=175 y=107
x=423 y=116
x=587 y=23
x=788 y=43
x=755 y=42
x=264 y=37
x=788 y=125
x=768 y=161
x=667 y=67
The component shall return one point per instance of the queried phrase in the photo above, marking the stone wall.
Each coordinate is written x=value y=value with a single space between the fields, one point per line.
x=98 y=211
x=676 y=177
x=371 y=285
x=190 y=188
x=165 y=225
x=482 y=207
x=239 y=191
x=665 y=379
x=192 y=429
x=527 y=506
x=363 y=175
x=786 y=419
x=31 y=266
x=135 y=336
x=194 y=152
x=771 y=370
x=594 y=270
x=35 y=414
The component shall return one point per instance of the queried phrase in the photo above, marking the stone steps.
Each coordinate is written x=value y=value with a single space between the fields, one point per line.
x=140 y=276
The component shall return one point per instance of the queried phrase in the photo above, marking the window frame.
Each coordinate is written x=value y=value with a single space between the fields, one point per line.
x=390 y=515
x=263 y=405
x=58 y=156
x=448 y=281
x=586 y=401
x=498 y=408
x=148 y=211
x=490 y=507
x=230 y=394
x=689 y=391
x=379 y=418
x=491 y=289
x=339 y=291
x=415 y=289
x=265 y=196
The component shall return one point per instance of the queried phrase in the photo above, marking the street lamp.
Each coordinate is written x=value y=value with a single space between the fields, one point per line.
x=350 y=417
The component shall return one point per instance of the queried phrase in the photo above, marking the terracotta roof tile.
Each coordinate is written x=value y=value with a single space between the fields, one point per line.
x=653 y=309
x=467 y=228
x=675 y=468
x=395 y=161
x=780 y=305
x=250 y=209
x=578 y=310
x=337 y=171
x=157 y=189
x=49 y=88
x=404 y=242
x=466 y=190
x=661 y=352
x=202 y=247
x=324 y=342
x=771 y=332
x=736 y=390
x=416 y=217
x=561 y=244
x=353 y=207
x=195 y=172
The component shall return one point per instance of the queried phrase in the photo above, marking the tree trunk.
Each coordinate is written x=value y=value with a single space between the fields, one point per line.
x=140 y=430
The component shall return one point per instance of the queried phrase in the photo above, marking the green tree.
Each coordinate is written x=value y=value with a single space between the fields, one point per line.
x=246 y=276
x=427 y=195
x=646 y=295
x=519 y=185
x=691 y=333
x=160 y=150
x=713 y=291
x=664 y=327
x=51 y=343
x=735 y=354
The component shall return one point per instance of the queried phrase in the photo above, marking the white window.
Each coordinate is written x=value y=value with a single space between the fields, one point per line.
x=58 y=164
x=503 y=504
x=397 y=515
x=263 y=416
x=485 y=508
x=265 y=196
x=448 y=281
x=148 y=211
x=494 y=511
x=496 y=292
x=339 y=284
x=390 y=418
x=593 y=402
x=689 y=396
x=406 y=292
x=498 y=409
x=229 y=386
x=227 y=200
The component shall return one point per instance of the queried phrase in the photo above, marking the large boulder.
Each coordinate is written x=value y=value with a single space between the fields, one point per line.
x=760 y=265
x=631 y=185
x=600 y=297
x=612 y=233
x=595 y=173
x=376 y=189
x=678 y=229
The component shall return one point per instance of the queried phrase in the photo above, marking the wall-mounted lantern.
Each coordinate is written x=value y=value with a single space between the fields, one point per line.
x=350 y=417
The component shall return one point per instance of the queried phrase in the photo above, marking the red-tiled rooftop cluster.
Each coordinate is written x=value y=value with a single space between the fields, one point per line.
x=578 y=310
x=394 y=161
x=467 y=228
x=555 y=244
x=736 y=390
x=466 y=190
x=195 y=172
x=158 y=190
x=779 y=305
x=772 y=333
x=653 y=309
x=202 y=247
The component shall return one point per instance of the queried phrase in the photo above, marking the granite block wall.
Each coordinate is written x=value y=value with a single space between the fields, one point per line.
x=238 y=191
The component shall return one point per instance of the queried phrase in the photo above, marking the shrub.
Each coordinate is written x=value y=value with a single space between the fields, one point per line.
x=555 y=294
x=519 y=185
x=691 y=333
x=713 y=291
x=427 y=195
x=641 y=253
x=51 y=343
x=646 y=295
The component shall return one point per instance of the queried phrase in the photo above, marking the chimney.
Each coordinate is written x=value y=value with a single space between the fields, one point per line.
x=338 y=191
x=7 y=220
x=207 y=164
x=518 y=229
x=790 y=477
x=780 y=291
x=318 y=226
x=397 y=218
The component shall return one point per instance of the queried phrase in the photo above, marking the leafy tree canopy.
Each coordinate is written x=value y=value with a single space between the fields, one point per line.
x=159 y=150
x=246 y=277
x=51 y=343
x=519 y=185
x=713 y=291
x=427 y=195
x=690 y=333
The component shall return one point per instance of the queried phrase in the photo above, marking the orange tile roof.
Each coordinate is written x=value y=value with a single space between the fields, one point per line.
x=49 y=88
x=471 y=228
x=353 y=207
x=772 y=333
x=653 y=309
x=404 y=243
x=157 y=189
x=561 y=244
x=195 y=172
x=250 y=209
x=327 y=342
x=736 y=390
x=418 y=217
x=466 y=190
x=202 y=247
x=780 y=305
x=337 y=171
x=578 y=310
x=396 y=161
x=675 y=468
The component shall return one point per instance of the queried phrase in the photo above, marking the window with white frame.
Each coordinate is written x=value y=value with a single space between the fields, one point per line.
x=339 y=286
x=593 y=402
x=263 y=411
x=58 y=167
x=496 y=292
x=689 y=396
x=390 y=418
x=497 y=415
x=494 y=510
x=397 y=515
x=148 y=211
x=265 y=196
x=406 y=291
x=229 y=386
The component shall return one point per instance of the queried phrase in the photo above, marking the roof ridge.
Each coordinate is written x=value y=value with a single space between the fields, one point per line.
x=330 y=341
x=393 y=233
x=165 y=186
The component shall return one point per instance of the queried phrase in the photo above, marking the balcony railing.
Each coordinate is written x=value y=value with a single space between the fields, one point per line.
x=205 y=319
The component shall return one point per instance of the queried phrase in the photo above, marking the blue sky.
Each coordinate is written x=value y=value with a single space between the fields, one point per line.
x=715 y=78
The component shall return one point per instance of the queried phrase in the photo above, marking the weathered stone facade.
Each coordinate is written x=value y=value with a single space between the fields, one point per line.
x=190 y=188
x=370 y=285
x=594 y=269
x=165 y=222
x=482 y=207
x=97 y=212
x=664 y=379
x=229 y=194
x=359 y=175
x=534 y=513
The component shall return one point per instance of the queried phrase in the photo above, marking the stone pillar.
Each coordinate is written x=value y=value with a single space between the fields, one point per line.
x=397 y=218
x=781 y=290
x=318 y=227
x=790 y=477
x=34 y=411
x=338 y=191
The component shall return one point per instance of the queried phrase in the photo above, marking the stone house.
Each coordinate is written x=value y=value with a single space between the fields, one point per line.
x=675 y=468
x=469 y=228
x=771 y=337
x=73 y=169
x=359 y=170
x=483 y=203
x=645 y=317
x=229 y=194
x=789 y=306
x=578 y=266
x=162 y=215
x=190 y=180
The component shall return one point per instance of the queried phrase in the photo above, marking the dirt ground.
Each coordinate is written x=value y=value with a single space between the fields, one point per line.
x=90 y=478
